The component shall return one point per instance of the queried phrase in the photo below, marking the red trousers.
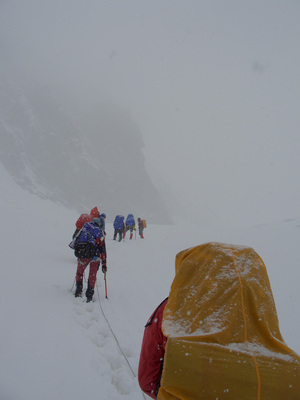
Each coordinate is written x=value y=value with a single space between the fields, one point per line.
x=81 y=266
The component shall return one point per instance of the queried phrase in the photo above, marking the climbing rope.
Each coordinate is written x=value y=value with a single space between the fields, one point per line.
x=115 y=337
x=71 y=290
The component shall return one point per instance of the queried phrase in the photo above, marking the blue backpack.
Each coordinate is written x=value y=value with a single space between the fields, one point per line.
x=130 y=220
x=118 y=222
x=86 y=242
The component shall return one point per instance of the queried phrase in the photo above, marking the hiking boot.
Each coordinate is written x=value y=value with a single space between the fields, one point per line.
x=78 y=291
x=89 y=293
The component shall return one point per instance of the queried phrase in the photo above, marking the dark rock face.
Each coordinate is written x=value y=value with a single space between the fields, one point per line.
x=97 y=160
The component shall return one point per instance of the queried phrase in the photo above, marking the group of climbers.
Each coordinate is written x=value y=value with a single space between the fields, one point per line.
x=90 y=248
x=121 y=226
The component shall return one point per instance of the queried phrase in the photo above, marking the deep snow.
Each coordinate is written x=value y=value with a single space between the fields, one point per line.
x=54 y=346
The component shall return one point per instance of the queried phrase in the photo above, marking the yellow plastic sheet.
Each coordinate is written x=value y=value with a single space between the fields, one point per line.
x=223 y=333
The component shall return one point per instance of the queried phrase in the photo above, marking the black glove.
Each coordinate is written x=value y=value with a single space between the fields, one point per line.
x=104 y=268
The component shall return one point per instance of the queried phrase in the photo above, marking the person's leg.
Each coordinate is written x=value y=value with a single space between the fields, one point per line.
x=81 y=266
x=94 y=266
x=120 y=235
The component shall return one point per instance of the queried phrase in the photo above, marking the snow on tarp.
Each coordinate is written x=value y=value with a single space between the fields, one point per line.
x=223 y=333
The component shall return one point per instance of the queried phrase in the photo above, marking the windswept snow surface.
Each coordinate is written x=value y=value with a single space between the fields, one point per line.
x=54 y=346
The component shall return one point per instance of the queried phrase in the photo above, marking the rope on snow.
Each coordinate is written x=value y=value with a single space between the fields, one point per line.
x=111 y=330
x=115 y=337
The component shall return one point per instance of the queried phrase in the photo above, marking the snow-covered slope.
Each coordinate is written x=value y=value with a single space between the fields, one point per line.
x=54 y=346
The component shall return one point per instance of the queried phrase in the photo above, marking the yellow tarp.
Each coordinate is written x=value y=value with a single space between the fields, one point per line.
x=223 y=333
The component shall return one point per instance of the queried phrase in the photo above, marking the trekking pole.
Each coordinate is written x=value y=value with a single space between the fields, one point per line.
x=105 y=285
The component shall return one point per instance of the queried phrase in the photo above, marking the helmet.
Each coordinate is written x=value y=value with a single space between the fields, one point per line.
x=103 y=215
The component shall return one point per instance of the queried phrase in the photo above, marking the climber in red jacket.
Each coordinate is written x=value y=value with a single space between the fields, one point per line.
x=85 y=218
x=152 y=353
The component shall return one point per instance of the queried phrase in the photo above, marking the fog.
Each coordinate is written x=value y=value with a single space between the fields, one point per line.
x=214 y=87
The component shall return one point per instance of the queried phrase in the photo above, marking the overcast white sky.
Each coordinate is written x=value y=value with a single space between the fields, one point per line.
x=213 y=85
